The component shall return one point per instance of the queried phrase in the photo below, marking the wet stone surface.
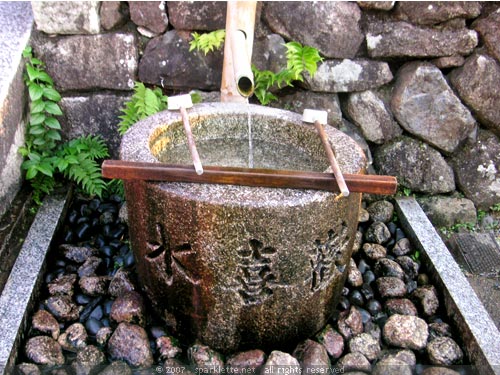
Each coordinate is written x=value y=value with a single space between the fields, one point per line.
x=389 y=319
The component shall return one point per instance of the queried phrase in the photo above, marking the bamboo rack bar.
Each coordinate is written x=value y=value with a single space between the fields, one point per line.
x=357 y=183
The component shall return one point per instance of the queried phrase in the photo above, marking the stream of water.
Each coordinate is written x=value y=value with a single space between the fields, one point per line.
x=250 y=137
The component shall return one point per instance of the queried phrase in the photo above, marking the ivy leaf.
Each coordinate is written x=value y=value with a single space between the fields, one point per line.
x=53 y=108
x=37 y=119
x=51 y=94
x=37 y=106
x=36 y=130
x=53 y=123
x=54 y=135
x=45 y=168
x=43 y=76
x=31 y=173
x=35 y=92
x=32 y=72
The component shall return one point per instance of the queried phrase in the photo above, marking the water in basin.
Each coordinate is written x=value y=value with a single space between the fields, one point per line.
x=235 y=153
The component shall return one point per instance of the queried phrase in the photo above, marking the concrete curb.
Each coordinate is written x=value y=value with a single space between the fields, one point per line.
x=23 y=284
x=479 y=334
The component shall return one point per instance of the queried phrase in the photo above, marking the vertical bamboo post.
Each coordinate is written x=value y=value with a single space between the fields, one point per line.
x=240 y=17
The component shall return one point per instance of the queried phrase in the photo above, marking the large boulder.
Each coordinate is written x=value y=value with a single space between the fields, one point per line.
x=369 y=112
x=150 y=15
x=269 y=53
x=349 y=75
x=477 y=167
x=301 y=100
x=489 y=31
x=167 y=62
x=62 y=17
x=426 y=107
x=445 y=211
x=86 y=62
x=402 y=39
x=93 y=114
x=331 y=27
x=416 y=166
x=434 y=12
x=197 y=15
x=477 y=85
x=113 y=14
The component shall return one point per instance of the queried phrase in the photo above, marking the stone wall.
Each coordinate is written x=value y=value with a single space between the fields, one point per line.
x=415 y=82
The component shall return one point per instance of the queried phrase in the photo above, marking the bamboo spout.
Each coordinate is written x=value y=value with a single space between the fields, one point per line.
x=237 y=77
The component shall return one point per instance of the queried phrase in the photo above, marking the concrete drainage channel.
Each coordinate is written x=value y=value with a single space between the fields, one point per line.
x=478 y=332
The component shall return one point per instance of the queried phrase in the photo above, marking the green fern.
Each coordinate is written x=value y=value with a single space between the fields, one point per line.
x=144 y=102
x=207 y=42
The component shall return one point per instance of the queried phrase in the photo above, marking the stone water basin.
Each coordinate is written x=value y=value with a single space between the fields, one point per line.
x=234 y=266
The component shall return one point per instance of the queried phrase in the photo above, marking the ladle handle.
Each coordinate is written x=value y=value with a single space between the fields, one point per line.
x=357 y=183
x=331 y=158
x=192 y=146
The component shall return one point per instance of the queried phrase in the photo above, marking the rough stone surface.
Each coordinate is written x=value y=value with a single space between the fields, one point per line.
x=416 y=166
x=477 y=168
x=445 y=211
x=375 y=120
x=349 y=75
x=377 y=233
x=388 y=267
x=121 y=283
x=102 y=336
x=129 y=307
x=439 y=371
x=74 y=338
x=350 y=323
x=391 y=366
x=149 y=14
x=117 y=368
x=77 y=254
x=28 y=369
x=381 y=211
x=406 y=331
x=167 y=347
x=434 y=12
x=113 y=14
x=301 y=100
x=44 y=322
x=250 y=360
x=269 y=53
x=448 y=61
x=401 y=306
x=203 y=357
x=402 y=39
x=489 y=30
x=476 y=82
x=405 y=355
x=338 y=35
x=311 y=355
x=365 y=344
x=94 y=285
x=95 y=114
x=86 y=62
x=354 y=277
x=374 y=251
x=278 y=361
x=444 y=351
x=426 y=299
x=44 y=350
x=390 y=287
x=376 y=5
x=352 y=362
x=63 y=308
x=426 y=107
x=197 y=15
x=439 y=329
x=402 y=247
x=409 y=266
x=182 y=69
x=130 y=343
x=88 y=360
x=89 y=267
x=62 y=285
x=332 y=341
x=61 y=17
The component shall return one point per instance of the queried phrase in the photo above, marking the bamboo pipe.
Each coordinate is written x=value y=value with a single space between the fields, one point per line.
x=237 y=77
